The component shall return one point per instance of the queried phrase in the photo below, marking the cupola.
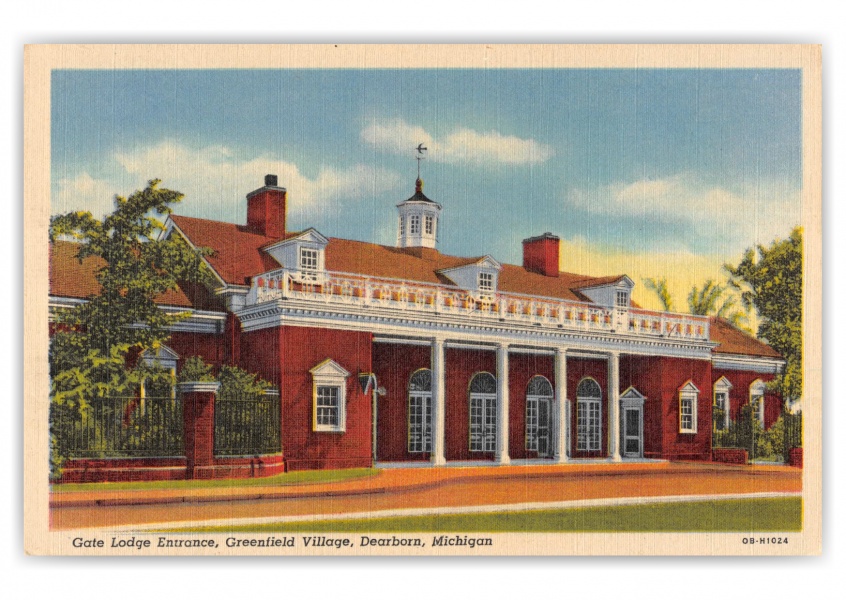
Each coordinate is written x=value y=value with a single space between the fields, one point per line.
x=418 y=220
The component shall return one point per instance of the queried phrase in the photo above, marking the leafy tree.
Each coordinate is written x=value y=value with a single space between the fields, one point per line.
x=659 y=286
x=769 y=279
x=93 y=351
x=713 y=299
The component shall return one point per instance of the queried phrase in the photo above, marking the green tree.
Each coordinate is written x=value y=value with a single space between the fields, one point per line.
x=659 y=286
x=93 y=350
x=716 y=300
x=769 y=279
x=712 y=299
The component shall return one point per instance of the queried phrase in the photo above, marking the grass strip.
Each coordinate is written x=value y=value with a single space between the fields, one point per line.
x=283 y=479
x=748 y=515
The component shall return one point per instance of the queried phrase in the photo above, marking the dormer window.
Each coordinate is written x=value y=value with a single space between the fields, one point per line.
x=414 y=225
x=479 y=277
x=303 y=255
x=486 y=282
x=622 y=299
x=430 y=225
x=308 y=260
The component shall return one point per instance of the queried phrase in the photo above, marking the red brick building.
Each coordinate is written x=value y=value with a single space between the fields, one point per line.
x=401 y=354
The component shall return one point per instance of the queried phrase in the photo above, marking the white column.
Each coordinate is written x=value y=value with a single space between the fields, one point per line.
x=438 y=456
x=562 y=443
x=614 y=406
x=502 y=456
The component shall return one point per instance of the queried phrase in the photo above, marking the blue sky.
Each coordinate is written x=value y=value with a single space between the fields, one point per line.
x=649 y=172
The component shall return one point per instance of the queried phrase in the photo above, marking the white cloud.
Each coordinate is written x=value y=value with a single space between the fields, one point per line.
x=215 y=180
x=747 y=214
x=462 y=145
x=84 y=192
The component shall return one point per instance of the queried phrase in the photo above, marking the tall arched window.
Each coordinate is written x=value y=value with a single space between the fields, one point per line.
x=483 y=413
x=538 y=409
x=756 y=400
x=588 y=415
x=420 y=411
x=722 y=404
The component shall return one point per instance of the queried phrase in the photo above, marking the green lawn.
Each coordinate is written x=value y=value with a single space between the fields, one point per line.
x=295 y=478
x=758 y=515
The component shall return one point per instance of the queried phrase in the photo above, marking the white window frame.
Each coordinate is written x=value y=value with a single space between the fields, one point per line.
x=482 y=430
x=307 y=256
x=414 y=225
x=589 y=420
x=622 y=299
x=419 y=435
x=326 y=376
x=402 y=227
x=757 y=391
x=688 y=396
x=723 y=387
x=533 y=413
x=429 y=224
x=486 y=282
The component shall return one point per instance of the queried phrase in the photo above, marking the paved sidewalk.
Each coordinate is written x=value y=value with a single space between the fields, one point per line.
x=417 y=480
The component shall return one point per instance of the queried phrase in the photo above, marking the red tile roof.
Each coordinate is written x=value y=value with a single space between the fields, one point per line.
x=734 y=341
x=237 y=255
x=70 y=278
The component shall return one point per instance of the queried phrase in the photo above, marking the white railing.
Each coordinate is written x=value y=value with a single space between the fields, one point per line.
x=357 y=290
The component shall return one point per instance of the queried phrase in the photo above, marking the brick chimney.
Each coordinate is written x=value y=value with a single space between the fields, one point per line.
x=266 y=208
x=540 y=254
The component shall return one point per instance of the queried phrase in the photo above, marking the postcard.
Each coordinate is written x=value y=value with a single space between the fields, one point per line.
x=422 y=300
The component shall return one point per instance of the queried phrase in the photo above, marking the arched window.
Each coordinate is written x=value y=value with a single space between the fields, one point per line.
x=756 y=399
x=588 y=415
x=420 y=411
x=538 y=408
x=483 y=413
x=722 y=404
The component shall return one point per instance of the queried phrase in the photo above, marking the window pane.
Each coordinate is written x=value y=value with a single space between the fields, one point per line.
x=327 y=405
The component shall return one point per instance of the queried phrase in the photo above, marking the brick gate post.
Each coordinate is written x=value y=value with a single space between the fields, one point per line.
x=198 y=398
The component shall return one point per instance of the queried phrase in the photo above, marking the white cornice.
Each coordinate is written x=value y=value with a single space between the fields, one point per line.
x=736 y=362
x=391 y=322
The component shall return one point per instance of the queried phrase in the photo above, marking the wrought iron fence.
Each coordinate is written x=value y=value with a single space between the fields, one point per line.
x=792 y=432
x=120 y=427
x=746 y=432
x=246 y=425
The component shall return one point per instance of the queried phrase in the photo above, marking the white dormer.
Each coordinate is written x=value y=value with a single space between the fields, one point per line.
x=418 y=220
x=303 y=254
x=611 y=294
x=480 y=277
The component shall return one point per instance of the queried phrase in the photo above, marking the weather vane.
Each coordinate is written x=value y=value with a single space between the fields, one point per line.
x=420 y=150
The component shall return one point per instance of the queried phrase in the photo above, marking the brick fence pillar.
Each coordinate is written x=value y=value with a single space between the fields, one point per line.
x=198 y=423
